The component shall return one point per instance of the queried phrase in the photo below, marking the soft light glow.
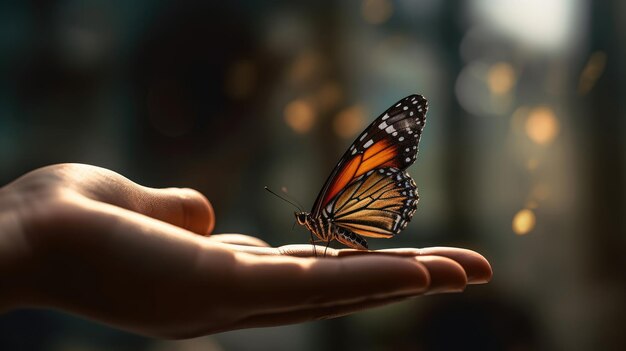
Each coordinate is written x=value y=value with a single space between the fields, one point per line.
x=328 y=96
x=523 y=222
x=475 y=92
x=349 y=122
x=538 y=24
x=300 y=116
x=542 y=125
x=304 y=67
x=377 y=11
x=501 y=78
x=592 y=71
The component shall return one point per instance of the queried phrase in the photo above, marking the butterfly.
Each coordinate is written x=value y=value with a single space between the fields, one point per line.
x=369 y=193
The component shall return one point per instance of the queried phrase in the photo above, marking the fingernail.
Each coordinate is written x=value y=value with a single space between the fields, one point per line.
x=478 y=280
x=480 y=276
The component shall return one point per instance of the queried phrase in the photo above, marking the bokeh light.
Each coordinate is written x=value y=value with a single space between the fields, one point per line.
x=328 y=96
x=536 y=24
x=592 y=71
x=299 y=116
x=349 y=122
x=304 y=67
x=542 y=125
x=481 y=88
x=376 y=11
x=523 y=221
x=501 y=78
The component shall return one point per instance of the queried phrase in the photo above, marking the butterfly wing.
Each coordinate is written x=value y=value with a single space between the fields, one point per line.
x=391 y=141
x=379 y=203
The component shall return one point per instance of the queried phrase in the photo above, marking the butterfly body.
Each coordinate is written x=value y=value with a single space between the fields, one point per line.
x=369 y=193
x=326 y=230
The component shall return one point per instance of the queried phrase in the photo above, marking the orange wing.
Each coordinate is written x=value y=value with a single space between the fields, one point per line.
x=390 y=141
x=379 y=155
x=379 y=203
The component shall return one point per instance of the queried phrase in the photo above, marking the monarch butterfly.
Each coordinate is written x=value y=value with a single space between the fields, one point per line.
x=369 y=193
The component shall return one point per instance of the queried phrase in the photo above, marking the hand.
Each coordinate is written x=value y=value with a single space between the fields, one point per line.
x=88 y=241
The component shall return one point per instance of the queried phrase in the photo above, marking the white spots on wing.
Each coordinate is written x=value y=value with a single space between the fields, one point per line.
x=368 y=144
x=382 y=125
x=400 y=138
x=390 y=129
x=398 y=105
x=329 y=208
x=410 y=131
x=411 y=113
x=405 y=108
x=394 y=133
x=414 y=147
x=414 y=102
x=408 y=159
x=353 y=152
x=363 y=136
x=385 y=116
x=407 y=149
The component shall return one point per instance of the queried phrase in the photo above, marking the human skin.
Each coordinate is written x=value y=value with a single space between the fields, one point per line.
x=87 y=241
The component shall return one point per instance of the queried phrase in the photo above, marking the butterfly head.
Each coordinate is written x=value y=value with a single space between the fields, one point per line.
x=302 y=217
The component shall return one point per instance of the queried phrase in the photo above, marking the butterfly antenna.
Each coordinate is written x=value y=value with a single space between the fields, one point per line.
x=287 y=196
x=284 y=199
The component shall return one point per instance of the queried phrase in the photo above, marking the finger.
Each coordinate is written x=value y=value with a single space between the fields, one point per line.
x=239 y=239
x=446 y=275
x=296 y=250
x=311 y=314
x=185 y=208
x=308 y=250
x=281 y=284
x=477 y=268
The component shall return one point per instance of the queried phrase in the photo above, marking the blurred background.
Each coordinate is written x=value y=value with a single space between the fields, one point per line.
x=522 y=158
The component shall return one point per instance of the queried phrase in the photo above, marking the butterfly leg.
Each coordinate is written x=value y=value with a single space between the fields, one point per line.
x=351 y=239
x=313 y=243
x=327 y=245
